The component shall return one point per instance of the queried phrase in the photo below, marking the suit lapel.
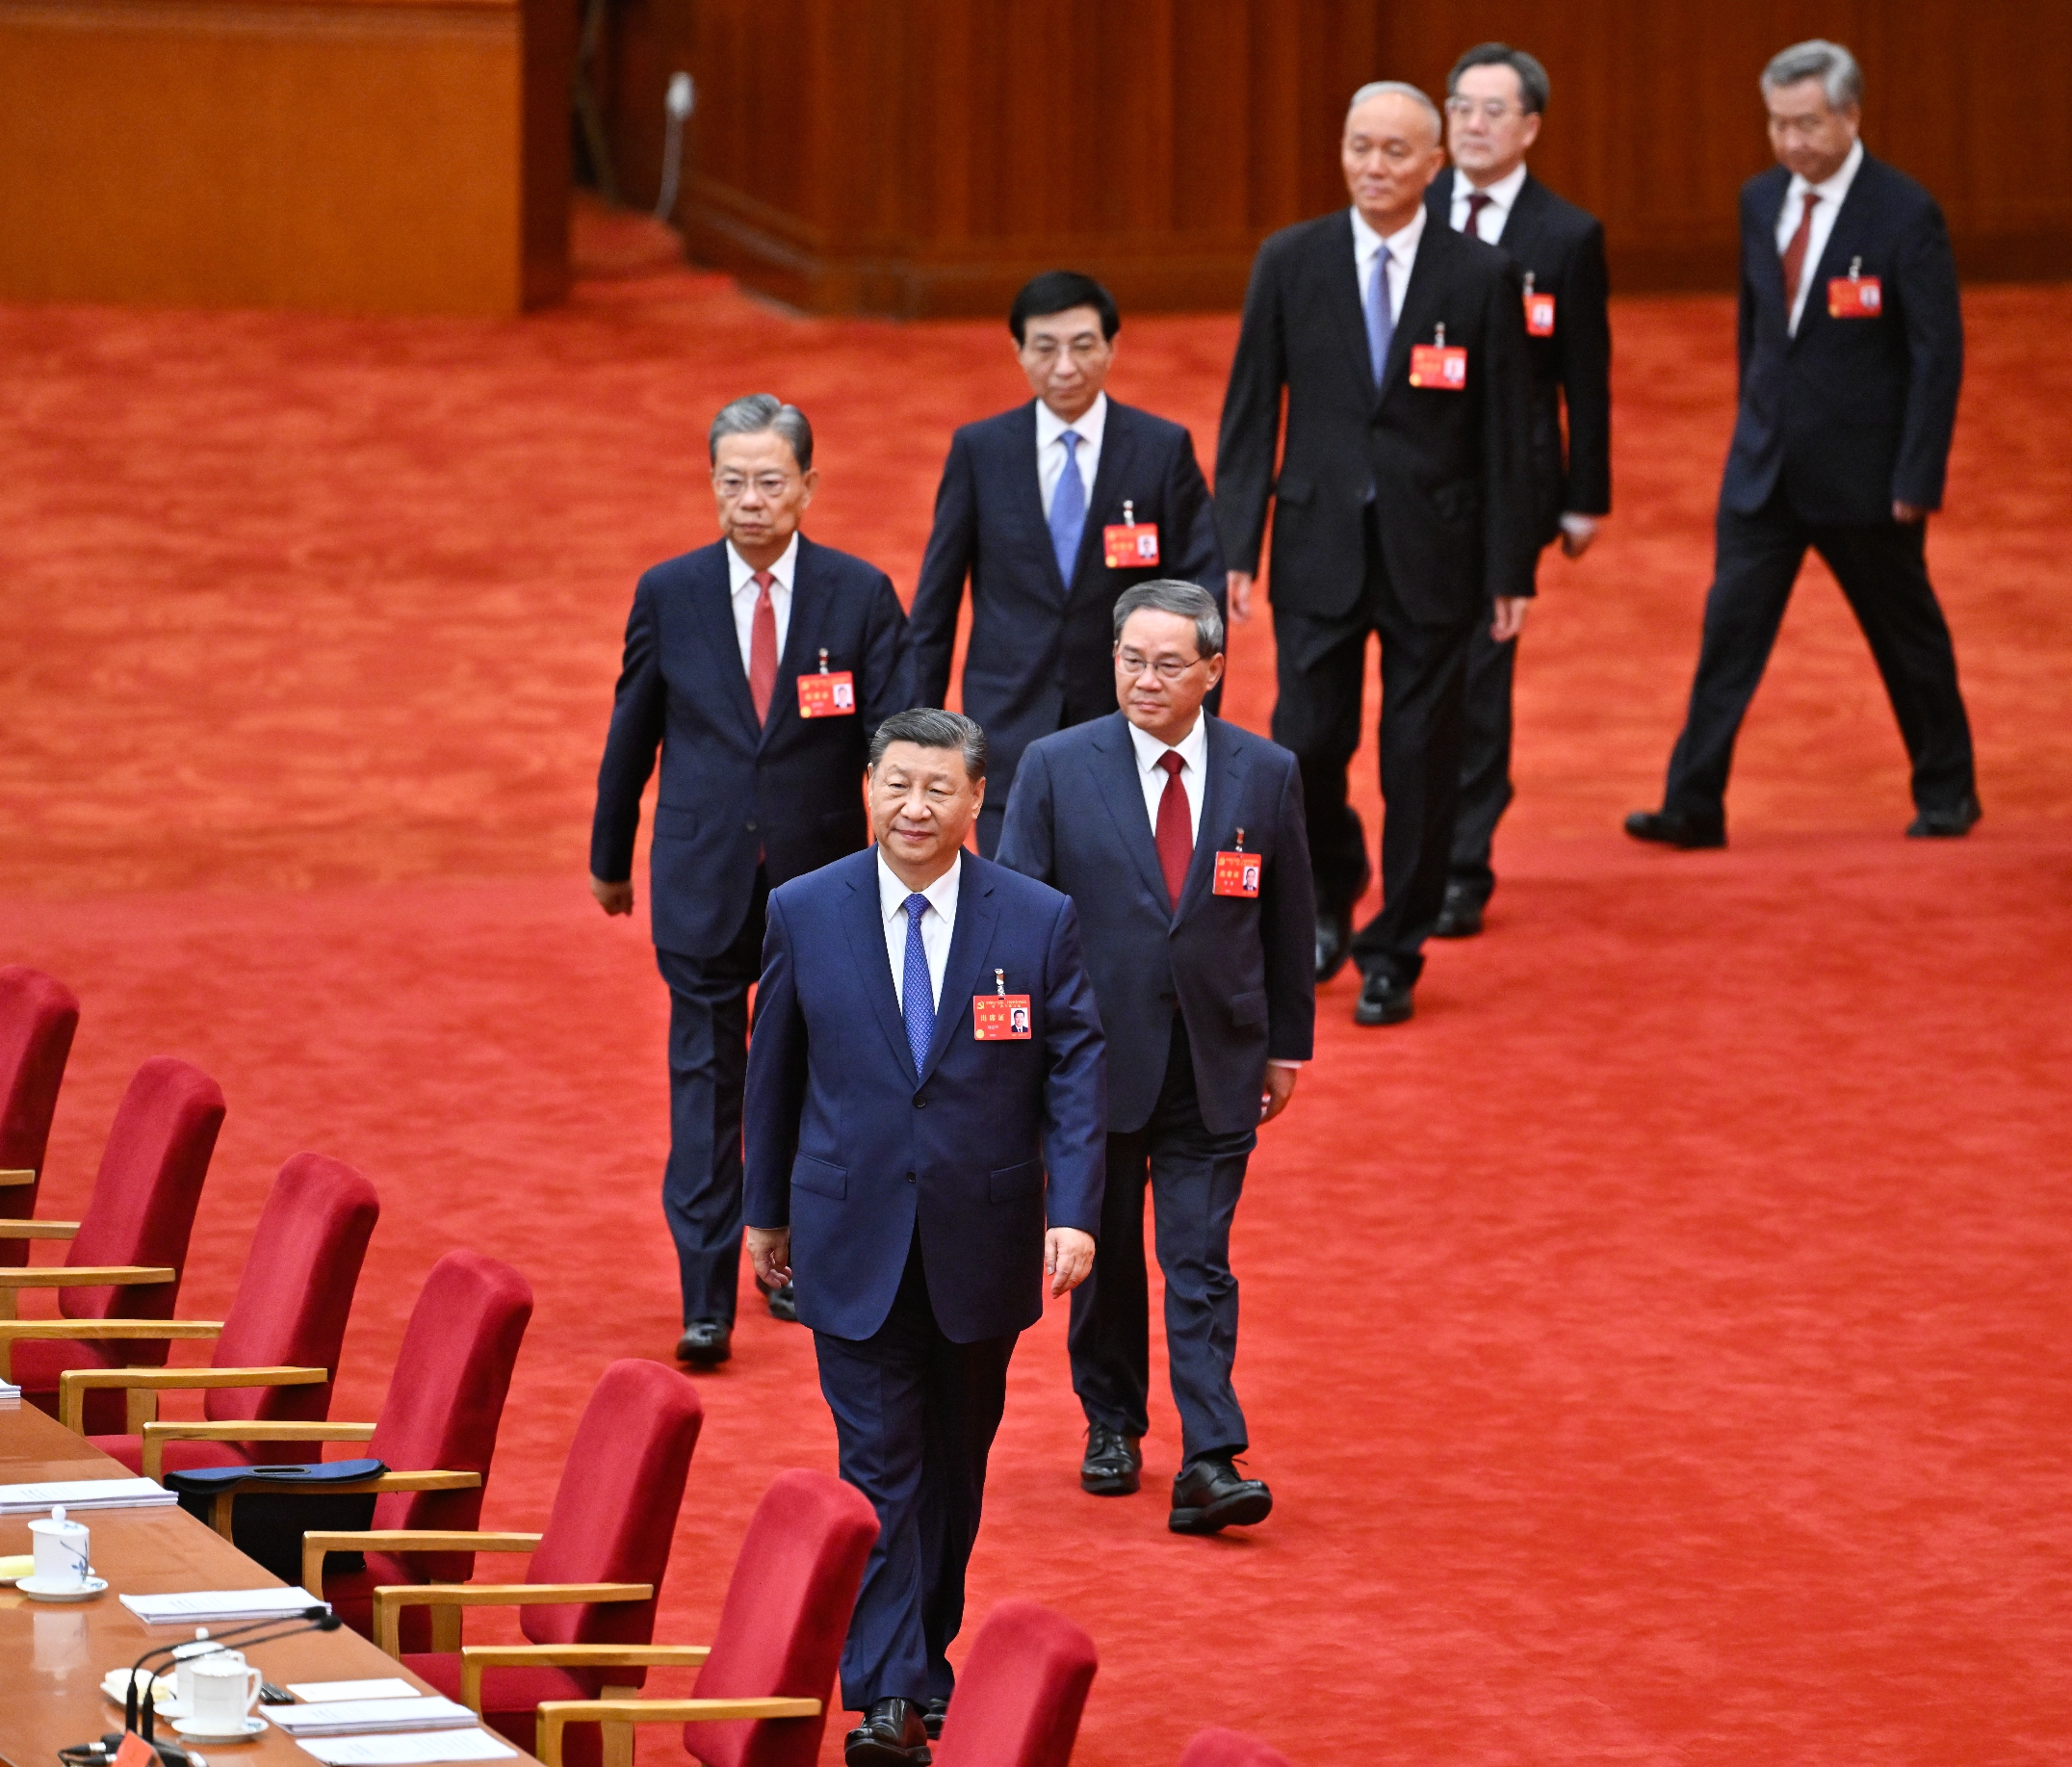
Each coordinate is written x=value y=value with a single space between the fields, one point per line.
x=1221 y=793
x=1844 y=240
x=866 y=946
x=1118 y=442
x=1029 y=493
x=1122 y=793
x=1342 y=282
x=969 y=944
x=715 y=608
x=801 y=656
x=1421 y=301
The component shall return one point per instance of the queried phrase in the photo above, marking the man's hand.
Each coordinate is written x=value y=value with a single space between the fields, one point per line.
x=1280 y=1088
x=1237 y=590
x=769 y=1250
x=613 y=898
x=1907 y=513
x=1509 y=618
x=1068 y=1258
x=1577 y=533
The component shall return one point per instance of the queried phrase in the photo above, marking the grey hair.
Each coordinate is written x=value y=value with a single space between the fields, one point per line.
x=761 y=412
x=928 y=728
x=1401 y=88
x=1190 y=600
x=1534 y=89
x=1817 y=59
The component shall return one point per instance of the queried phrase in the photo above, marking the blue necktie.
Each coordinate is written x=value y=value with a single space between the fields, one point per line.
x=1068 y=509
x=1381 y=319
x=916 y=998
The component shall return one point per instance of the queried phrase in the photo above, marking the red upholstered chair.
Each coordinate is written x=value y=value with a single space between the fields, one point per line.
x=128 y=1248
x=38 y=1017
x=1216 y=1748
x=761 y=1697
x=1024 y=1686
x=277 y=1352
x=596 y=1571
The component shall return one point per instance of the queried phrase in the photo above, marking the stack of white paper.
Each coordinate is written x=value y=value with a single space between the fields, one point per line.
x=10 y=1393
x=318 y=1693
x=407 y=1750
x=83 y=1493
x=371 y=1717
x=210 y=1607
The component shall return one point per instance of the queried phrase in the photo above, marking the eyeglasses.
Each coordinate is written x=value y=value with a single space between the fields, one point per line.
x=1166 y=668
x=1495 y=109
x=732 y=485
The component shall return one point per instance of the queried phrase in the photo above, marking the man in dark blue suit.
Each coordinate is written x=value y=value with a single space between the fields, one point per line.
x=1053 y=510
x=759 y=666
x=1851 y=351
x=926 y=1050
x=1179 y=838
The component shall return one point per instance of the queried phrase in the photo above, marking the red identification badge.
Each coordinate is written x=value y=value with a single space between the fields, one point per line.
x=1237 y=873
x=825 y=694
x=1854 y=296
x=1130 y=545
x=1436 y=365
x=1539 y=315
x=1000 y=1016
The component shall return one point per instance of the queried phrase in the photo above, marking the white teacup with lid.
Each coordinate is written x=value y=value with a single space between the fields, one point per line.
x=226 y=1689
x=61 y=1547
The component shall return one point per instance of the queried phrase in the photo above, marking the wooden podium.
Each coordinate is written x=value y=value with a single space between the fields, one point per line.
x=368 y=156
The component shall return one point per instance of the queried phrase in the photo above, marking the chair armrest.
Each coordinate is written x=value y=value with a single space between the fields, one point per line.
x=475 y=1658
x=13 y=1228
x=85 y=1276
x=74 y=1384
x=14 y=1331
x=318 y=1543
x=556 y=1714
x=157 y=1435
x=391 y=1599
x=10 y=1178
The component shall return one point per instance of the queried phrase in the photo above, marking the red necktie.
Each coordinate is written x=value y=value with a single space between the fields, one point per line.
x=1477 y=201
x=1175 y=836
x=1795 y=253
x=763 y=648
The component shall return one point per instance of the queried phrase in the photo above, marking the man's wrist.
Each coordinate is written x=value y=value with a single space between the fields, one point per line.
x=1285 y=1061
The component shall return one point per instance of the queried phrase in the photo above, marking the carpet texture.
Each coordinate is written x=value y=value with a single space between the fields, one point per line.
x=1658 y=1349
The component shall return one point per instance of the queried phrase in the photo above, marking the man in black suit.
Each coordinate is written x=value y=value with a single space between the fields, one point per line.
x=1495 y=98
x=1052 y=509
x=1179 y=838
x=760 y=665
x=1851 y=351
x=1404 y=505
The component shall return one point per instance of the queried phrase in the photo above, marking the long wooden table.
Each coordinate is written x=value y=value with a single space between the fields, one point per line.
x=52 y=1657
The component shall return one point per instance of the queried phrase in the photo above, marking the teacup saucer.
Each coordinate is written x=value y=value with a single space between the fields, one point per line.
x=38 y=1589
x=116 y=1689
x=205 y=1730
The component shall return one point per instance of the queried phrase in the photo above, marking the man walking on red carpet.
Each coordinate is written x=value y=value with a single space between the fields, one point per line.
x=760 y=665
x=1852 y=350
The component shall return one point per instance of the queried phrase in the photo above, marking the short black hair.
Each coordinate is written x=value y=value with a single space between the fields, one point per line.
x=929 y=727
x=1059 y=290
x=1534 y=89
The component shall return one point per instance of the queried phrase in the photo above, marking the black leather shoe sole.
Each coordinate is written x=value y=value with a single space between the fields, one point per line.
x=783 y=1306
x=1241 y=1510
x=1110 y=1482
x=938 y=1710
x=1674 y=830
x=1390 y=1006
x=862 y=1749
x=1463 y=922
x=1945 y=824
x=705 y=1352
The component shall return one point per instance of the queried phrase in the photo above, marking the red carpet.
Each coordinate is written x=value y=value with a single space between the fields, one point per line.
x=1658 y=1349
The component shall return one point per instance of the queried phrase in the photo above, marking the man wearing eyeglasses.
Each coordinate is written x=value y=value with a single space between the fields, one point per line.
x=1180 y=841
x=1495 y=98
x=1051 y=510
x=736 y=659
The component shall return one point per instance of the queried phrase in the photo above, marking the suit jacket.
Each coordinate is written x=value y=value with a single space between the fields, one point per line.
x=1852 y=414
x=1450 y=473
x=850 y=1149
x=1563 y=246
x=792 y=790
x=1041 y=653
x=1241 y=972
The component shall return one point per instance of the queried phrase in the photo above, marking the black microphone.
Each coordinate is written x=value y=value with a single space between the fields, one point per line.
x=310 y=1619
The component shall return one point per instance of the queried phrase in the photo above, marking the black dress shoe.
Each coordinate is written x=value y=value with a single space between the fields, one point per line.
x=894 y=1734
x=1334 y=941
x=1211 y=1494
x=705 y=1343
x=1668 y=830
x=1459 y=917
x=784 y=1304
x=1113 y=1460
x=938 y=1710
x=1382 y=1000
x=1945 y=824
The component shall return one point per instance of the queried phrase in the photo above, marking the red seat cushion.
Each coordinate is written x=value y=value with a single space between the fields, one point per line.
x=1024 y=1686
x=511 y=1697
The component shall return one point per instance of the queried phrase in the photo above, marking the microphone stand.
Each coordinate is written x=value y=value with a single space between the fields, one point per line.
x=137 y=1716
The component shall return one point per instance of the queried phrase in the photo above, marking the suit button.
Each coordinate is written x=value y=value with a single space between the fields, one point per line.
x=910 y=1178
x=921 y=1103
x=750 y=826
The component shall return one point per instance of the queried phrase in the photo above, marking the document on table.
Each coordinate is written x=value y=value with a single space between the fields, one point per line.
x=368 y=1717
x=406 y=1751
x=84 y=1493
x=321 y=1693
x=200 y=1606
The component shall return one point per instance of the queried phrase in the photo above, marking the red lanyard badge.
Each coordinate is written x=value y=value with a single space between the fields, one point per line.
x=1128 y=545
x=827 y=695
x=1855 y=296
x=1538 y=310
x=1438 y=365
x=1000 y=1016
x=1238 y=873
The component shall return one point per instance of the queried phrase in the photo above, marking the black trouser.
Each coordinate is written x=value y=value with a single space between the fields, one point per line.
x=1486 y=790
x=1882 y=568
x=915 y=1418
x=1194 y=1178
x=1322 y=678
x=701 y=1186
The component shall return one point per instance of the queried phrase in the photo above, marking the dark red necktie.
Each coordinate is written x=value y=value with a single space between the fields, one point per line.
x=1477 y=201
x=763 y=648
x=1174 y=834
x=1795 y=253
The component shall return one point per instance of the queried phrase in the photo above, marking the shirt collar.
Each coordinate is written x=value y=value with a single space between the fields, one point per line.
x=740 y=573
x=1503 y=193
x=1087 y=425
x=1400 y=243
x=941 y=894
x=1192 y=749
x=1832 y=189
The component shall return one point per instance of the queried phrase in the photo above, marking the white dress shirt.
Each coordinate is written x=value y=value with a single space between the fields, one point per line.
x=1490 y=223
x=1402 y=248
x=1193 y=752
x=744 y=577
x=1830 y=192
x=1088 y=426
x=937 y=921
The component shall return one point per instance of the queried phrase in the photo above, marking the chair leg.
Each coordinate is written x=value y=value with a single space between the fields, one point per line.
x=446 y=1630
x=618 y=1738
x=141 y=1409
